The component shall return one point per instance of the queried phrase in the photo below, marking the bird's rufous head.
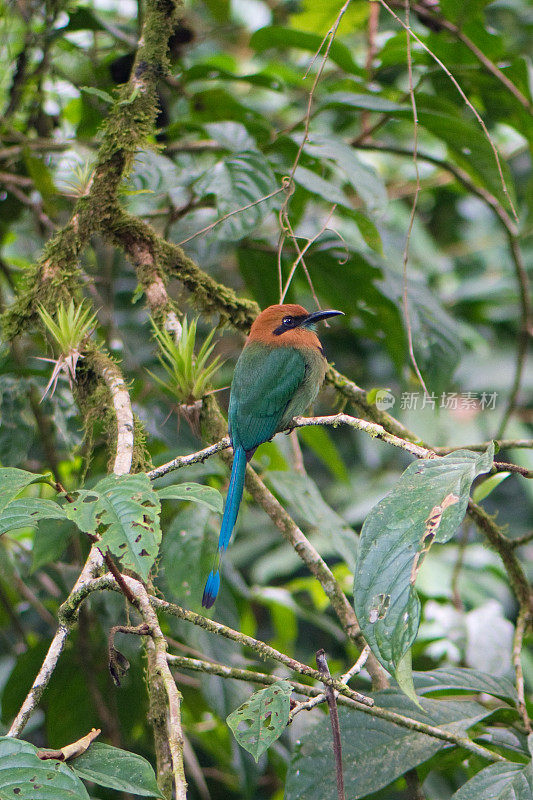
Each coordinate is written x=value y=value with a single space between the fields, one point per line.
x=288 y=325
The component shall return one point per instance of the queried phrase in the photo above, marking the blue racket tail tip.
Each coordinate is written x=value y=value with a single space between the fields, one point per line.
x=211 y=589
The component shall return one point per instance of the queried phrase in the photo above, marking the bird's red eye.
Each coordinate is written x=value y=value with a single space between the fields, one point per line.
x=287 y=321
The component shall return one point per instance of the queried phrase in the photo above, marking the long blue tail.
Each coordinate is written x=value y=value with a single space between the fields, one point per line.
x=233 y=501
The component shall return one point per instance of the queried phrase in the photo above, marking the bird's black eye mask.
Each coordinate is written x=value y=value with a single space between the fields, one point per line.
x=289 y=322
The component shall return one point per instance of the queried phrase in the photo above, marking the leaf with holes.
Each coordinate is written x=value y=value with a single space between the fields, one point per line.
x=239 y=181
x=25 y=777
x=262 y=719
x=194 y=492
x=124 y=511
x=427 y=504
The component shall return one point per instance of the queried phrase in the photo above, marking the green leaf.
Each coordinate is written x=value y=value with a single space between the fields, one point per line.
x=326 y=190
x=187 y=555
x=437 y=337
x=26 y=777
x=274 y=36
x=125 y=510
x=499 y=782
x=264 y=717
x=484 y=488
x=374 y=751
x=105 y=96
x=320 y=441
x=195 y=492
x=50 y=542
x=13 y=481
x=306 y=503
x=468 y=143
x=40 y=174
x=117 y=769
x=363 y=178
x=365 y=102
x=427 y=504
x=404 y=677
x=27 y=511
x=238 y=181
x=463 y=679
x=368 y=231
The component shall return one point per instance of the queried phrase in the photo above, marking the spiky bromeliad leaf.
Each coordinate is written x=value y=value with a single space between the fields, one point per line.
x=71 y=326
x=124 y=510
x=189 y=374
x=427 y=504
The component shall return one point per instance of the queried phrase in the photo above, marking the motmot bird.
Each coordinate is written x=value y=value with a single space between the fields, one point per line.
x=277 y=377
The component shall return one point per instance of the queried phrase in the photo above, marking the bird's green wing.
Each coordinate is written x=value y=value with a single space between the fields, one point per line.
x=264 y=382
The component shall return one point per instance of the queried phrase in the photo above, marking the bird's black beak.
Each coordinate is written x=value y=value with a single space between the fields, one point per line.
x=318 y=316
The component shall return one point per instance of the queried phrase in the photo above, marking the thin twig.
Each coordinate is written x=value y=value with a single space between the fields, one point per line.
x=302 y=252
x=192 y=458
x=283 y=214
x=232 y=213
x=405 y=257
x=518 y=541
x=322 y=665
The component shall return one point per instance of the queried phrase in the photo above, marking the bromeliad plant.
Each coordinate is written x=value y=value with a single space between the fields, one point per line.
x=189 y=374
x=70 y=330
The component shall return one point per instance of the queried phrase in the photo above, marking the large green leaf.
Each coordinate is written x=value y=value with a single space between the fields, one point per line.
x=262 y=719
x=238 y=181
x=26 y=777
x=124 y=509
x=118 y=769
x=195 y=492
x=27 y=511
x=363 y=102
x=187 y=555
x=427 y=504
x=459 y=130
x=374 y=751
x=499 y=782
x=363 y=178
x=437 y=337
x=274 y=36
x=445 y=679
x=304 y=501
x=468 y=143
x=12 y=482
